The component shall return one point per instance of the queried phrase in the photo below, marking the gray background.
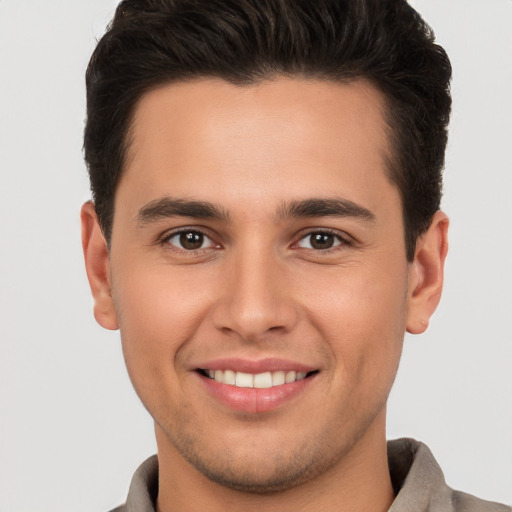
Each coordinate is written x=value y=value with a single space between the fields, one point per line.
x=72 y=430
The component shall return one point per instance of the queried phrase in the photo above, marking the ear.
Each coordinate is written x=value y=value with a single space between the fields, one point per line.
x=426 y=274
x=97 y=265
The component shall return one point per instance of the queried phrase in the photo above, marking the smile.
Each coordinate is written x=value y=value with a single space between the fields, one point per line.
x=259 y=380
x=255 y=386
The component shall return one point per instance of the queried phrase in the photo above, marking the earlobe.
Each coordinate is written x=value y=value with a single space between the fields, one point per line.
x=98 y=267
x=426 y=274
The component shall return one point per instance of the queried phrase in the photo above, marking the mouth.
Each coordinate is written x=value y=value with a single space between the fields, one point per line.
x=256 y=386
x=264 y=380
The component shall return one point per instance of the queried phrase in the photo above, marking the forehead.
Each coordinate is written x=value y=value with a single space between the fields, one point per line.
x=286 y=134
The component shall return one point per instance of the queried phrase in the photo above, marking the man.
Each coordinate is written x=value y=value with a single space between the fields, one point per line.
x=266 y=177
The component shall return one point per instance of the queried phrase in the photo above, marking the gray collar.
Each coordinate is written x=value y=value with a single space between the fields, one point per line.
x=417 y=480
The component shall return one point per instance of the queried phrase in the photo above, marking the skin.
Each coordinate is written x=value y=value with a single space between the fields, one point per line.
x=257 y=288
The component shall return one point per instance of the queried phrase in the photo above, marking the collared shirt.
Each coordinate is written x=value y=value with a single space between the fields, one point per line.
x=417 y=480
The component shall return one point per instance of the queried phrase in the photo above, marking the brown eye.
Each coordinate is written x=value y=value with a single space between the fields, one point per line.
x=320 y=241
x=190 y=240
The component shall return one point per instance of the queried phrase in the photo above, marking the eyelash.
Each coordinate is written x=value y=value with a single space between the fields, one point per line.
x=340 y=241
x=165 y=240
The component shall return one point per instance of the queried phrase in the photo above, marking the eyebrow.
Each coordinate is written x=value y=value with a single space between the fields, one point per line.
x=311 y=208
x=167 y=207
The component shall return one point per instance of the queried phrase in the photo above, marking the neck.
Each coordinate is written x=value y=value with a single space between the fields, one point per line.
x=358 y=482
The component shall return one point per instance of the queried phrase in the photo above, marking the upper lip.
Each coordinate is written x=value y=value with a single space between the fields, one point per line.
x=255 y=366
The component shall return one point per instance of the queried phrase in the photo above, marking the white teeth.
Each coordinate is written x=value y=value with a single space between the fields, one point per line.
x=290 y=377
x=229 y=377
x=244 y=380
x=260 y=380
x=278 y=378
x=263 y=380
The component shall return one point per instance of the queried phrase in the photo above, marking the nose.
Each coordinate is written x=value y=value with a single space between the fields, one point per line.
x=256 y=297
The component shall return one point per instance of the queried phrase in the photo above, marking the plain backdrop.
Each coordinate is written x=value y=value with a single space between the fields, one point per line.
x=72 y=430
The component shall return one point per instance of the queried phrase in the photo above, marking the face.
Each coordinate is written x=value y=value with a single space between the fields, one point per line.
x=258 y=275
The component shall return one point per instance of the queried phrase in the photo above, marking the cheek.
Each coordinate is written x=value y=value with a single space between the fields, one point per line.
x=366 y=298
x=361 y=313
x=158 y=313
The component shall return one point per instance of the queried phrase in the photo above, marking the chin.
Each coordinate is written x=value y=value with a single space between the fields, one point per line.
x=270 y=475
x=260 y=465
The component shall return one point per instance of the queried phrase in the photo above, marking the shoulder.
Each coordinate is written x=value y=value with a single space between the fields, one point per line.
x=420 y=486
x=143 y=488
x=463 y=502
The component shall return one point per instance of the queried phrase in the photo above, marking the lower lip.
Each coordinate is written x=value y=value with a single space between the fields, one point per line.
x=255 y=400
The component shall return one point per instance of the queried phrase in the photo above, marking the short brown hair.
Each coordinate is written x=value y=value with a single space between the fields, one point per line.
x=151 y=42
